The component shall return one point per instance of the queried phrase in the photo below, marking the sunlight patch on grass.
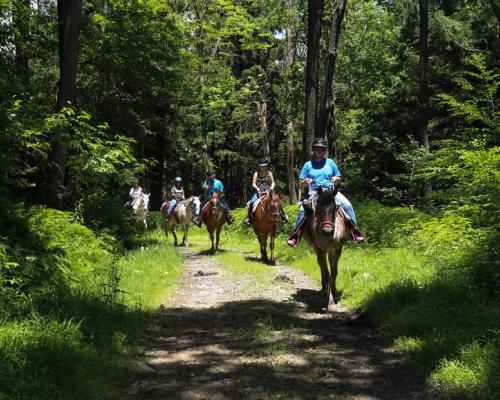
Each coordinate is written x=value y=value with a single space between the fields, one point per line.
x=149 y=272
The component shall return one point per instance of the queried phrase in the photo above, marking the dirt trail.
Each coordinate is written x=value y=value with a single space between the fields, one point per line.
x=218 y=340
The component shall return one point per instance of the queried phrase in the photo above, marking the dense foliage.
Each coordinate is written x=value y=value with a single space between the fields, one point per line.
x=175 y=88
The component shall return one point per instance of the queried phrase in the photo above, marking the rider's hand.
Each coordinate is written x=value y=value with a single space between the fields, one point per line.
x=336 y=180
x=307 y=182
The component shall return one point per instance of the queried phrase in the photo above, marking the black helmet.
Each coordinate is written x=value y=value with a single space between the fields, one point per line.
x=211 y=173
x=319 y=142
x=263 y=162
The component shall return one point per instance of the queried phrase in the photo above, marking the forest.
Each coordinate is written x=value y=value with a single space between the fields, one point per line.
x=95 y=94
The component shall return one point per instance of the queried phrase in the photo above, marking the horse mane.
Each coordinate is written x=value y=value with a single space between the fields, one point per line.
x=326 y=199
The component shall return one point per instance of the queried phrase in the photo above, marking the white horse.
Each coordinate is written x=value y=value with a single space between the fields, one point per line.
x=183 y=215
x=140 y=207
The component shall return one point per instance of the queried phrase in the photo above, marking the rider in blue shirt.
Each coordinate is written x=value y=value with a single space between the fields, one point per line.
x=322 y=172
x=212 y=185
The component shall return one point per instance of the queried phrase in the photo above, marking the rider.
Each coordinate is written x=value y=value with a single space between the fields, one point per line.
x=263 y=181
x=212 y=185
x=176 y=195
x=134 y=194
x=322 y=172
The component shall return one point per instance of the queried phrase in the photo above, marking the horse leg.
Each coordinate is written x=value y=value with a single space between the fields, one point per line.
x=172 y=229
x=219 y=227
x=321 y=258
x=272 y=235
x=333 y=258
x=185 y=240
x=263 y=247
x=211 y=232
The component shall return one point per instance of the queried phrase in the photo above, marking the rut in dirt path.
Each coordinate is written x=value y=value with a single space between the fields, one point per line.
x=220 y=337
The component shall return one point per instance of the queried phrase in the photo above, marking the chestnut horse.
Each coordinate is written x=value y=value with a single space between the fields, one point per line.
x=265 y=221
x=213 y=217
x=326 y=232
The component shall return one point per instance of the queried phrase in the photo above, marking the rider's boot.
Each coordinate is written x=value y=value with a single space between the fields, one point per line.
x=356 y=234
x=229 y=217
x=294 y=238
x=284 y=217
x=248 y=220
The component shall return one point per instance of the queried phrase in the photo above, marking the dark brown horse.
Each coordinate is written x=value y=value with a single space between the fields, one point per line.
x=265 y=222
x=326 y=232
x=213 y=217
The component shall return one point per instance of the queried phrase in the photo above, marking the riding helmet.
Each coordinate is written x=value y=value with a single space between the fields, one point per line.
x=211 y=174
x=263 y=162
x=178 y=179
x=319 y=142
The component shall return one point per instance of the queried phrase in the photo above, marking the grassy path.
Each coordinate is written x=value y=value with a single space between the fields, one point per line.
x=237 y=329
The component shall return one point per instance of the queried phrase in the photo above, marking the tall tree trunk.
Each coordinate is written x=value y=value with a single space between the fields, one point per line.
x=290 y=147
x=423 y=120
x=422 y=134
x=290 y=161
x=200 y=15
x=68 y=20
x=157 y=174
x=21 y=21
x=314 y=14
x=326 y=112
x=262 y=115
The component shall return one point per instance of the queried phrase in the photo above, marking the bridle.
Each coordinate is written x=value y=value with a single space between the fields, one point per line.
x=270 y=206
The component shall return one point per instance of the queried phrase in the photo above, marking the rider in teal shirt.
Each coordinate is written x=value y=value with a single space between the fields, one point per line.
x=212 y=185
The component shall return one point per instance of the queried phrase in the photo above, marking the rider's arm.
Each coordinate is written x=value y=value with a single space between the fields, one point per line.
x=254 y=182
x=272 y=180
x=304 y=175
x=336 y=178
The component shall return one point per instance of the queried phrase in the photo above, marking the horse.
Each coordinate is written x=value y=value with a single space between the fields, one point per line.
x=182 y=215
x=326 y=232
x=265 y=221
x=140 y=208
x=214 y=218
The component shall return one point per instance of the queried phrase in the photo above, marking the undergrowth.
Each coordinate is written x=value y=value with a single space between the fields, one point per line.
x=73 y=307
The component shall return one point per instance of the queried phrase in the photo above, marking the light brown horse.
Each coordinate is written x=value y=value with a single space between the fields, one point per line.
x=182 y=215
x=326 y=232
x=213 y=217
x=265 y=221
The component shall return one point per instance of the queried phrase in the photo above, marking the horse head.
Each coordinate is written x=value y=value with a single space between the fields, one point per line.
x=274 y=206
x=326 y=210
x=195 y=204
x=214 y=201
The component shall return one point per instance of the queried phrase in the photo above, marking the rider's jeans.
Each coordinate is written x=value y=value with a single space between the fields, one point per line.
x=171 y=206
x=340 y=200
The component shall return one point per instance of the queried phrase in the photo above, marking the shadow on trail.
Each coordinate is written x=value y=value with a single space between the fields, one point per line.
x=262 y=349
x=209 y=252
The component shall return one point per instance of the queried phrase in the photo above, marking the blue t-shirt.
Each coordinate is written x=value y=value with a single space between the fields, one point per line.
x=215 y=187
x=321 y=172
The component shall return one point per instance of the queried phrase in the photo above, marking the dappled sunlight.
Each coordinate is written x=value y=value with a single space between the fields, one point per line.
x=262 y=349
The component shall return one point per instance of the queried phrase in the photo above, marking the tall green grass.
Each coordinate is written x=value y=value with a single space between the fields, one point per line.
x=72 y=312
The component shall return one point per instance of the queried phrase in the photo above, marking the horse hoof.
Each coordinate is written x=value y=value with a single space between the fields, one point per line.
x=332 y=307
